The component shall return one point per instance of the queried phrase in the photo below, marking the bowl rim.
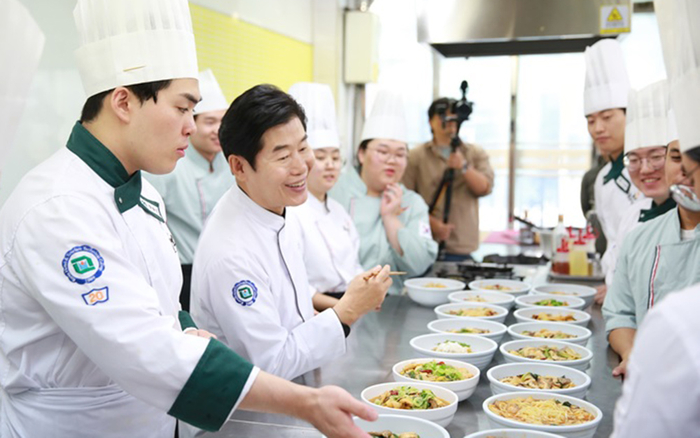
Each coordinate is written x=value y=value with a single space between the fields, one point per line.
x=508 y=299
x=587 y=358
x=411 y=281
x=472 y=368
x=522 y=300
x=493 y=345
x=511 y=330
x=502 y=329
x=520 y=313
x=525 y=286
x=452 y=405
x=441 y=429
x=501 y=310
x=509 y=429
x=589 y=291
x=561 y=368
x=540 y=427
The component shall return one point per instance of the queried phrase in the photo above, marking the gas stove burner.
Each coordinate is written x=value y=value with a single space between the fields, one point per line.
x=471 y=271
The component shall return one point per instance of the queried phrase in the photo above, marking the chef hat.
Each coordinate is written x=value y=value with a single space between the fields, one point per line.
x=607 y=83
x=680 y=41
x=212 y=97
x=318 y=104
x=671 y=130
x=646 y=117
x=387 y=119
x=128 y=42
x=19 y=62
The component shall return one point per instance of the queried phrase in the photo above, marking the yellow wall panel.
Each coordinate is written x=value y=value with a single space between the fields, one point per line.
x=242 y=55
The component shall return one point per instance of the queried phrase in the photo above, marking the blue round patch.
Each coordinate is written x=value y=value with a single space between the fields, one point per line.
x=83 y=264
x=245 y=293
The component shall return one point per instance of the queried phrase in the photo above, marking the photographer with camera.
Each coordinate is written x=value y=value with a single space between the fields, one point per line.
x=466 y=176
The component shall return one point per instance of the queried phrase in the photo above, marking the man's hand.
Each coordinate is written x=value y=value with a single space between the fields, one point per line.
x=331 y=413
x=456 y=160
x=391 y=200
x=441 y=230
x=600 y=293
x=621 y=369
x=201 y=333
x=365 y=293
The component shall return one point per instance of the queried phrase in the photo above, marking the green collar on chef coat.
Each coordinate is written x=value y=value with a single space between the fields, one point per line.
x=127 y=189
x=616 y=170
x=657 y=210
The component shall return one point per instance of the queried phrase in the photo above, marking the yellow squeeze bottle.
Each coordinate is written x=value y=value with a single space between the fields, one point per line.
x=578 y=259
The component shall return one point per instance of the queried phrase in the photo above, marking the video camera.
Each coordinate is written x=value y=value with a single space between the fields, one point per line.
x=461 y=109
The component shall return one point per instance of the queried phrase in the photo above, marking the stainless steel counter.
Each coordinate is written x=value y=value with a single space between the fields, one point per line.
x=381 y=339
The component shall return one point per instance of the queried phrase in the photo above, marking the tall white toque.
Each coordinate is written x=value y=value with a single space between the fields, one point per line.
x=18 y=63
x=128 y=42
x=213 y=98
x=680 y=42
x=647 y=123
x=607 y=83
x=319 y=106
x=387 y=119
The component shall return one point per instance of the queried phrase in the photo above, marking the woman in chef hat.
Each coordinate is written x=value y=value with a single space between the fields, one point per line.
x=392 y=221
x=331 y=242
x=660 y=396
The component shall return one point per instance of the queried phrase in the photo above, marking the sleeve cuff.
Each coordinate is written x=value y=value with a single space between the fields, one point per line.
x=214 y=389
x=186 y=320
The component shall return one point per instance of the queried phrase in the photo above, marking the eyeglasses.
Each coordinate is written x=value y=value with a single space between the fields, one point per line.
x=384 y=155
x=634 y=163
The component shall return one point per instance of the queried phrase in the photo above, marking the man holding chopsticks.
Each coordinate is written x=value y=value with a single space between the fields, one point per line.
x=249 y=282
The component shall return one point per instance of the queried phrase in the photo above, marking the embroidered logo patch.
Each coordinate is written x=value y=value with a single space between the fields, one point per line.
x=95 y=296
x=424 y=230
x=83 y=264
x=245 y=293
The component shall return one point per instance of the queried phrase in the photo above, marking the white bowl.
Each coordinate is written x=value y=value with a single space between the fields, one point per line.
x=517 y=288
x=579 y=378
x=579 y=364
x=582 y=333
x=525 y=315
x=401 y=424
x=500 y=315
x=497 y=330
x=463 y=388
x=512 y=433
x=497 y=298
x=482 y=353
x=584 y=292
x=442 y=416
x=432 y=296
x=586 y=430
x=531 y=300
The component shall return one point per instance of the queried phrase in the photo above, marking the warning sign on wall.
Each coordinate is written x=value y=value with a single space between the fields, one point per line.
x=614 y=19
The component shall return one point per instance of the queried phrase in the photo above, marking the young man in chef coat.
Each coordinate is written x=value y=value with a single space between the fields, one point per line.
x=91 y=343
x=660 y=396
x=249 y=281
x=198 y=181
x=605 y=101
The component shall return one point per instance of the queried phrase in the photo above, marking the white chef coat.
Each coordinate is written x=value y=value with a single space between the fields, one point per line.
x=90 y=343
x=661 y=392
x=331 y=244
x=613 y=198
x=249 y=288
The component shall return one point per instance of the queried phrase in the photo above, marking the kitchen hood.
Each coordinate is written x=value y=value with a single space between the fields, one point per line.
x=466 y=28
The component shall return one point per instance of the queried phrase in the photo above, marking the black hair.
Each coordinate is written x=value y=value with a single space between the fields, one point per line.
x=144 y=92
x=251 y=115
x=444 y=102
x=694 y=154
